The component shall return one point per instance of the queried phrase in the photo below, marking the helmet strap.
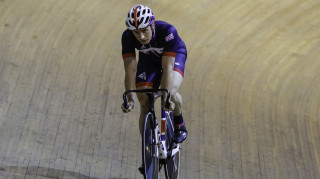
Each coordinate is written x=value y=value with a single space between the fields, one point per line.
x=152 y=29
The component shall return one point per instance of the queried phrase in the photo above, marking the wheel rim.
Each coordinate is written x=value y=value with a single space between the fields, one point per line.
x=151 y=160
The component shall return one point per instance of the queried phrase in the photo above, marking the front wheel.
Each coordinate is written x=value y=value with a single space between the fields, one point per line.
x=150 y=153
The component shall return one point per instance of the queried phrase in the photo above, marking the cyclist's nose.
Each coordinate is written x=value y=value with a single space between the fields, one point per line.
x=142 y=36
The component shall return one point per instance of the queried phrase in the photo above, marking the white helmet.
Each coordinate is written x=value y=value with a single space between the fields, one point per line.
x=139 y=16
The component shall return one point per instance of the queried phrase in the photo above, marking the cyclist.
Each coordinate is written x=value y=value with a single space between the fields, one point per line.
x=162 y=58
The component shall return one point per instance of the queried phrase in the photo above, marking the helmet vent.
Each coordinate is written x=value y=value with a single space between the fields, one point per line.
x=147 y=19
x=140 y=21
x=131 y=23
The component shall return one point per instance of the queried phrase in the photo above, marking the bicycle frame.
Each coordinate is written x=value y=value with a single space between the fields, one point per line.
x=164 y=153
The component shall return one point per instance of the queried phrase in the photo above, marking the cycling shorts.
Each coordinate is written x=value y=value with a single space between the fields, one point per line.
x=149 y=70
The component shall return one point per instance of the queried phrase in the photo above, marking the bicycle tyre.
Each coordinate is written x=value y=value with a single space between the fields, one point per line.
x=172 y=166
x=150 y=153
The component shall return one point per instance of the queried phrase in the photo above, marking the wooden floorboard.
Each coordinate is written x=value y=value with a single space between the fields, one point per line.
x=250 y=92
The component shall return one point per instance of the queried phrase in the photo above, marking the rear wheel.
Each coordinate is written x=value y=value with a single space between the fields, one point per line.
x=150 y=153
x=172 y=165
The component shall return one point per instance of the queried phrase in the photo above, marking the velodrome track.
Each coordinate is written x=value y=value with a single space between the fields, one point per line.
x=251 y=89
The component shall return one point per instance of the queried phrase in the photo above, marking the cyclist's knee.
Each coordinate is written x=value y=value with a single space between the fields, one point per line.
x=177 y=81
x=143 y=100
x=176 y=97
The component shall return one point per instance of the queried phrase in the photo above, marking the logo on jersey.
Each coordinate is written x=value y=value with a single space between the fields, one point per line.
x=169 y=37
x=143 y=76
x=155 y=51
x=177 y=63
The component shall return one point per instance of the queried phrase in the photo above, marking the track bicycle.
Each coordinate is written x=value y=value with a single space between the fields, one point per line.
x=158 y=148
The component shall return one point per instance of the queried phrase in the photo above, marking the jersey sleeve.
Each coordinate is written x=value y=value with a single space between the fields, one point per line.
x=128 y=49
x=172 y=40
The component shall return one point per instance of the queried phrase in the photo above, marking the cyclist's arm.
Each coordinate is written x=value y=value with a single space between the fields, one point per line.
x=130 y=67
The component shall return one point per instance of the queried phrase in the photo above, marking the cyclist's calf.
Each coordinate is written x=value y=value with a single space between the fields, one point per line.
x=143 y=100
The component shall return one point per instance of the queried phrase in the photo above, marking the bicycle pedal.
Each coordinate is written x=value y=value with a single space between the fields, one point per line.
x=177 y=145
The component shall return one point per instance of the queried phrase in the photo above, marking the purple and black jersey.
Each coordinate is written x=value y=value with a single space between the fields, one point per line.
x=165 y=42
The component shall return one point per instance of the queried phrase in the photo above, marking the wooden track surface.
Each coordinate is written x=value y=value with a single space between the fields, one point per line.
x=251 y=90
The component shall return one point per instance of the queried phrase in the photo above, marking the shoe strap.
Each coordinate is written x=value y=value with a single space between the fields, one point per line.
x=180 y=125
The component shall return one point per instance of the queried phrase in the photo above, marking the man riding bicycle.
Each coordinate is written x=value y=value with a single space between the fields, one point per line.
x=162 y=58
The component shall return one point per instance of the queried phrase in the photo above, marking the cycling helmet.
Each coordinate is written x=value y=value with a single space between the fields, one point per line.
x=139 y=16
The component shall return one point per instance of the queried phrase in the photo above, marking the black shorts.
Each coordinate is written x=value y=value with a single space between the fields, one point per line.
x=149 y=71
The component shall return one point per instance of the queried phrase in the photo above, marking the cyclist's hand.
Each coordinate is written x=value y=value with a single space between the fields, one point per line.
x=170 y=108
x=130 y=104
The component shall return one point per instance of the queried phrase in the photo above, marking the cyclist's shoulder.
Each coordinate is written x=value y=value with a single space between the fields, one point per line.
x=164 y=26
x=167 y=33
x=127 y=35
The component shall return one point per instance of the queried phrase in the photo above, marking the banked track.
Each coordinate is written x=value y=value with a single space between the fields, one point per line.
x=251 y=89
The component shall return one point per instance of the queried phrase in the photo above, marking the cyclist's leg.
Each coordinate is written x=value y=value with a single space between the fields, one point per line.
x=180 y=127
x=143 y=100
x=175 y=95
x=176 y=78
x=178 y=74
x=148 y=76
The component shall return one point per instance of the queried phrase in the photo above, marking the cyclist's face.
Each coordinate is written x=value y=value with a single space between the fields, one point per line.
x=143 y=35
